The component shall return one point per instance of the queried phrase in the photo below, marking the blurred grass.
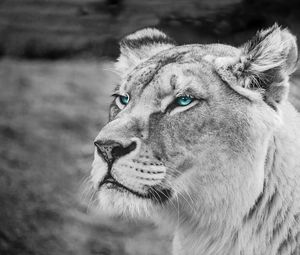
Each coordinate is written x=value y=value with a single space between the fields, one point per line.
x=50 y=114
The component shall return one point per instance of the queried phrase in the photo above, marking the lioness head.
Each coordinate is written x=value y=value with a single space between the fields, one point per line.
x=189 y=127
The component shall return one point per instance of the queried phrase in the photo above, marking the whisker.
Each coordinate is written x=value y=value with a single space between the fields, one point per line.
x=180 y=173
x=178 y=216
x=112 y=70
x=85 y=188
x=92 y=201
x=168 y=200
x=157 y=199
x=183 y=195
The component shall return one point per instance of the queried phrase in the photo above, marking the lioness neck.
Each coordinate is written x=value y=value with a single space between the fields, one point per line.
x=272 y=225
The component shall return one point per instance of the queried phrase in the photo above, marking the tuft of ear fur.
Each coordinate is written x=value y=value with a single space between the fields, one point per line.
x=267 y=54
x=265 y=63
x=140 y=46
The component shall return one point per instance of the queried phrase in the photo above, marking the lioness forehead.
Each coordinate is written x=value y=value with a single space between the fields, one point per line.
x=177 y=61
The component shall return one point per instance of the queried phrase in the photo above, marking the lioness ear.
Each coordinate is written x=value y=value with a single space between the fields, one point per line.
x=265 y=63
x=140 y=46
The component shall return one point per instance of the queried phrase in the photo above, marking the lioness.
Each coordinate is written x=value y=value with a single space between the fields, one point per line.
x=203 y=139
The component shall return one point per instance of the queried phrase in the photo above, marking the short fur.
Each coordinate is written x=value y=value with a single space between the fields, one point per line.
x=223 y=172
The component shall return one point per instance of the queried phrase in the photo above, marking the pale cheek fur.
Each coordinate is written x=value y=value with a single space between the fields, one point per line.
x=99 y=169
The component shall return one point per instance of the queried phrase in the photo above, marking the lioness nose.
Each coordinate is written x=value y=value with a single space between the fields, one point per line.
x=111 y=150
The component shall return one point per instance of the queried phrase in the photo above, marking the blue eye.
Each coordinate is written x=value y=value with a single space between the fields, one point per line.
x=184 y=100
x=124 y=99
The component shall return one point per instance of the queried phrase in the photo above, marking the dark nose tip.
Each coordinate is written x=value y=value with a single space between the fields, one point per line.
x=111 y=150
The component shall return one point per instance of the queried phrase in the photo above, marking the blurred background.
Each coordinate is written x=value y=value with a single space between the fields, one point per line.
x=55 y=82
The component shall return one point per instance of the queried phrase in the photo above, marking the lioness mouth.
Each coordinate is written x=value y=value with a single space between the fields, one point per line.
x=155 y=194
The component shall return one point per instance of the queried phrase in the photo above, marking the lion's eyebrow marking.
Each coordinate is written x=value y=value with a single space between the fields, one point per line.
x=182 y=85
x=186 y=91
x=173 y=81
x=191 y=87
x=116 y=89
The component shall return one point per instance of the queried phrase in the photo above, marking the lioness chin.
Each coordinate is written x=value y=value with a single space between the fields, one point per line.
x=202 y=138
